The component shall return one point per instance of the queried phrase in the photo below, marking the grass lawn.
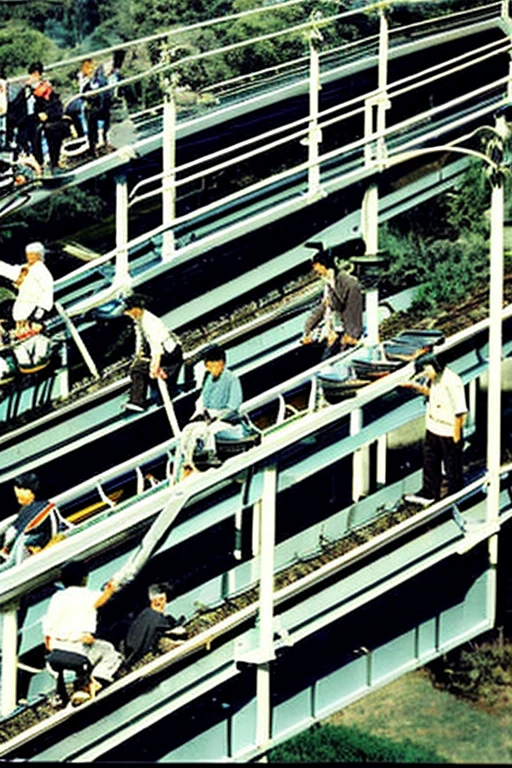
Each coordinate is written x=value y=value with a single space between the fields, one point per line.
x=411 y=708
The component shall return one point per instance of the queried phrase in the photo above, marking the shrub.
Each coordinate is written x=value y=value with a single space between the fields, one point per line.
x=338 y=744
x=475 y=671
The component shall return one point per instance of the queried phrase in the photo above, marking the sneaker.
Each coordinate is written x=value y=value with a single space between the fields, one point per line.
x=416 y=498
x=133 y=407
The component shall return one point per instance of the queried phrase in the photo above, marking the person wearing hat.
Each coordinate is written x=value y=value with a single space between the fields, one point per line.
x=34 y=283
x=339 y=317
x=446 y=414
x=36 y=523
x=158 y=352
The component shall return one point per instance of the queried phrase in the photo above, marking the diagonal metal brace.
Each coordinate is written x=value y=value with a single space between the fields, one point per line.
x=459 y=520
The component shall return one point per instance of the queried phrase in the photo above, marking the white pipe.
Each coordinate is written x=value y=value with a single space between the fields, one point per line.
x=9 y=658
x=314 y=133
x=266 y=606
x=383 y=102
x=358 y=463
x=122 y=275
x=382 y=446
x=495 y=344
x=169 y=168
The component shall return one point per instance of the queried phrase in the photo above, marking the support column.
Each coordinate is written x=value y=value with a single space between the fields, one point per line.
x=370 y=230
x=382 y=455
x=9 y=658
x=360 y=458
x=169 y=167
x=314 y=137
x=122 y=279
x=266 y=607
x=495 y=347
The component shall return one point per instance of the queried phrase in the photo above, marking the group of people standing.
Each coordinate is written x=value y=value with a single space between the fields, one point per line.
x=36 y=122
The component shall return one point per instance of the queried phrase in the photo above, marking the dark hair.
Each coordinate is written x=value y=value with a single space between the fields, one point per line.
x=135 y=301
x=214 y=353
x=325 y=258
x=428 y=358
x=74 y=573
x=28 y=480
x=36 y=66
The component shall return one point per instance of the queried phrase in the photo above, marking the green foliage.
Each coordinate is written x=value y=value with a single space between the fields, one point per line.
x=466 y=206
x=456 y=269
x=442 y=245
x=475 y=671
x=341 y=744
x=19 y=46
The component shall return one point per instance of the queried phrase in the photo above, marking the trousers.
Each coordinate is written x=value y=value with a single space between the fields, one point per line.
x=438 y=451
x=139 y=375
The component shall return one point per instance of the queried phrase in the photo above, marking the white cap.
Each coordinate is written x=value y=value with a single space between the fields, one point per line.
x=35 y=248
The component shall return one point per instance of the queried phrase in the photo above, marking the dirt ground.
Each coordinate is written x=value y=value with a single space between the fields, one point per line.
x=410 y=708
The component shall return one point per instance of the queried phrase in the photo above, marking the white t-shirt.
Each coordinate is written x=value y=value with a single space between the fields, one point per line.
x=446 y=401
x=70 y=614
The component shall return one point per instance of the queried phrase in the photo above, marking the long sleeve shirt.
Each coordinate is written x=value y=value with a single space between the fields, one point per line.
x=342 y=301
x=221 y=397
x=36 y=289
x=145 y=631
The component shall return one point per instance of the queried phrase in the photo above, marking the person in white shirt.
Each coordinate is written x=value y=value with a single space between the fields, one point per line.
x=158 y=352
x=69 y=627
x=446 y=414
x=34 y=283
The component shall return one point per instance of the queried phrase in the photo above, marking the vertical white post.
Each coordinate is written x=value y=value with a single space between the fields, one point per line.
x=255 y=540
x=370 y=230
x=266 y=607
x=9 y=658
x=383 y=103
x=122 y=277
x=495 y=345
x=471 y=420
x=169 y=168
x=505 y=13
x=63 y=373
x=360 y=458
x=382 y=454
x=314 y=132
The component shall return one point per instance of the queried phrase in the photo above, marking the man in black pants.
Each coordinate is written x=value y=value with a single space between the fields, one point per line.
x=446 y=414
x=158 y=353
